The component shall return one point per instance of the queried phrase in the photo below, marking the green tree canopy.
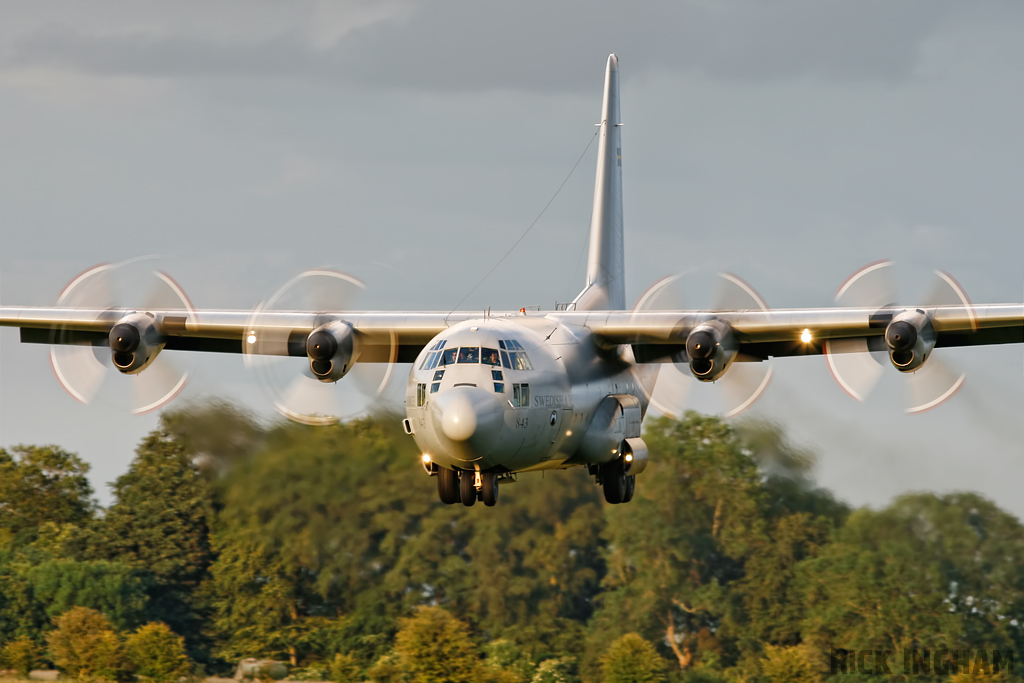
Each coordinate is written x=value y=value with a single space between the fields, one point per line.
x=40 y=484
x=631 y=659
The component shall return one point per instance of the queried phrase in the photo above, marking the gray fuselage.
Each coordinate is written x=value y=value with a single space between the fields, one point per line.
x=468 y=407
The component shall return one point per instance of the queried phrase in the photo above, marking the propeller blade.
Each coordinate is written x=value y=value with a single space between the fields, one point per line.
x=870 y=287
x=92 y=286
x=734 y=294
x=309 y=401
x=932 y=385
x=78 y=370
x=289 y=383
x=744 y=383
x=946 y=291
x=853 y=366
x=157 y=385
x=671 y=390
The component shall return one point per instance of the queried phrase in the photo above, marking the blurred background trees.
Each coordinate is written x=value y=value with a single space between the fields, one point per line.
x=326 y=548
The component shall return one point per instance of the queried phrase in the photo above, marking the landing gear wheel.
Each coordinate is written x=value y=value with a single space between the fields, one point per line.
x=489 y=488
x=614 y=483
x=467 y=488
x=630 y=488
x=448 y=485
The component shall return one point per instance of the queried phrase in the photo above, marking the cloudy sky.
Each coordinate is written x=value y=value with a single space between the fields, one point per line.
x=412 y=143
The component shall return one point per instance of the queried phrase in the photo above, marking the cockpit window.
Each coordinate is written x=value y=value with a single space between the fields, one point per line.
x=504 y=361
x=520 y=361
x=490 y=357
x=448 y=356
x=501 y=343
x=469 y=354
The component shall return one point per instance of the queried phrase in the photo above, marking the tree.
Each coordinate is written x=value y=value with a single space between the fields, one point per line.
x=217 y=434
x=556 y=670
x=345 y=668
x=21 y=655
x=929 y=571
x=673 y=551
x=83 y=644
x=158 y=653
x=788 y=665
x=41 y=484
x=631 y=659
x=115 y=590
x=434 y=647
x=160 y=524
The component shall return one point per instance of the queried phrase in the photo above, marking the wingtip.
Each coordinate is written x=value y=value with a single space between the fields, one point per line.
x=613 y=62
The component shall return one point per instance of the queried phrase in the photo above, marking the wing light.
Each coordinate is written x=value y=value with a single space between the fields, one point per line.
x=806 y=337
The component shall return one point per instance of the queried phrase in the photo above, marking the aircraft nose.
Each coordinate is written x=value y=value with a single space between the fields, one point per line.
x=470 y=416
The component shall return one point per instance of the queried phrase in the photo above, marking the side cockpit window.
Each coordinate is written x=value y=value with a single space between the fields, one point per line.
x=448 y=356
x=433 y=356
x=513 y=356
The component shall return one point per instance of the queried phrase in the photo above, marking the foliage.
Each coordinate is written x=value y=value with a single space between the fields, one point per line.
x=160 y=525
x=345 y=668
x=158 y=653
x=20 y=655
x=788 y=665
x=84 y=645
x=328 y=547
x=556 y=670
x=40 y=484
x=432 y=646
x=631 y=659
x=111 y=588
x=929 y=571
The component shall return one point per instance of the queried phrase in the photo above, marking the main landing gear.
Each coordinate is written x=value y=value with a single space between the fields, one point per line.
x=618 y=486
x=467 y=487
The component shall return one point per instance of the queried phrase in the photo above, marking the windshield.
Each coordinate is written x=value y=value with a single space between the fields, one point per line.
x=469 y=354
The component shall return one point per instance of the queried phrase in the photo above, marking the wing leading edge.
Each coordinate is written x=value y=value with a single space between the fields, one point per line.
x=654 y=334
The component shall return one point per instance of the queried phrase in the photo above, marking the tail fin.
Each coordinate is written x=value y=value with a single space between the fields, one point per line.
x=606 y=286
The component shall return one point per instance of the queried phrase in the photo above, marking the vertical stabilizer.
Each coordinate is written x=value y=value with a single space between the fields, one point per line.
x=606 y=286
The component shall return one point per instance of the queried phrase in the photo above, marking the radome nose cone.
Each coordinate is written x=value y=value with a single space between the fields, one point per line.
x=471 y=419
x=458 y=421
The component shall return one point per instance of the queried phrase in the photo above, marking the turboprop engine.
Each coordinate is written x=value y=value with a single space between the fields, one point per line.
x=332 y=349
x=710 y=350
x=135 y=341
x=910 y=337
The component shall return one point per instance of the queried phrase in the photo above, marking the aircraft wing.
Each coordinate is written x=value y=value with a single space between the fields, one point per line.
x=780 y=332
x=654 y=334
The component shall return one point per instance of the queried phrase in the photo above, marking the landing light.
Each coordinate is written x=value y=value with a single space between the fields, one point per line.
x=251 y=338
x=805 y=336
x=426 y=459
x=629 y=457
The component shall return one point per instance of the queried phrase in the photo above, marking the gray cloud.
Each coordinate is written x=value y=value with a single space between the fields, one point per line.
x=467 y=45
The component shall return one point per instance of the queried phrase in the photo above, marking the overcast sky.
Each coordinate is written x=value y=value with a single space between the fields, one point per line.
x=412 y=143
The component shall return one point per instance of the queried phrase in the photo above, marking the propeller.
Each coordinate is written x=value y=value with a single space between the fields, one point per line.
x=857 y=364
x=300 y=371
x=742 y=383
x=84 y=362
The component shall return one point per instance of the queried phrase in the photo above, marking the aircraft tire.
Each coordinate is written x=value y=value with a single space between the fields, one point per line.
x=630 y=488
x=448 y=485
x=467 y=489
x=614 y=483
x=489 y=488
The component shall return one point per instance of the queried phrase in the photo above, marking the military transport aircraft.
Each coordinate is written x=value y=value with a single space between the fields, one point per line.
x=492 y=394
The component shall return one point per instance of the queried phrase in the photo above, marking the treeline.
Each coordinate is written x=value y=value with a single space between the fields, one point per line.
x=327 y=548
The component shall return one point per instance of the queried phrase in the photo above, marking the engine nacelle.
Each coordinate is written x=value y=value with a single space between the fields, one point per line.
x=135 y=342
x=634 y=455
x=332 y=349
x=910 y=337
x=710 y=350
